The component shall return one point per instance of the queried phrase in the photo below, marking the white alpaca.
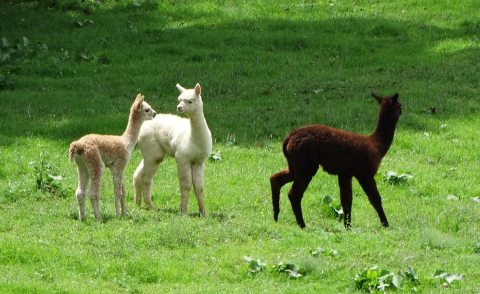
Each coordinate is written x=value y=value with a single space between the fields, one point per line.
x=188 y=140
x=92 y=153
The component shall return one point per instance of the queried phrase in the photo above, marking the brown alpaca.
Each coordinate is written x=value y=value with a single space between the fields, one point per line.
x=340 y=153
x=92 y=153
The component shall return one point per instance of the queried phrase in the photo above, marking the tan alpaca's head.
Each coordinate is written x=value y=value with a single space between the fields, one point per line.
x=189 y=100
x=143 y=108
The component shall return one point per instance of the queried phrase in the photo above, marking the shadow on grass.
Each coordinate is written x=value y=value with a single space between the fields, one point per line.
x=260 y=77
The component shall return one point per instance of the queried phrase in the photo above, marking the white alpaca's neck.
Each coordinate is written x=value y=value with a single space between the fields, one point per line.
x=199 y=128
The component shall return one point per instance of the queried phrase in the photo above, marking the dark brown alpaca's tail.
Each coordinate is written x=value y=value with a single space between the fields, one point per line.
x=75 y=149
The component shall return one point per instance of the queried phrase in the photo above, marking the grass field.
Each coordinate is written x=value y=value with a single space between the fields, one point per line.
x=70 y=67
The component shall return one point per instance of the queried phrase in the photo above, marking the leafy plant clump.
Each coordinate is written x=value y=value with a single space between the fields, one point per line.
x=292 y=270
x=256 y=266
x=320 y=251
x=336 y=209
x=375 y=279
x=447 y=279
x=477 y=248
x=22 y=49
x=393 y=178
x=216 y=156
x=48 y=179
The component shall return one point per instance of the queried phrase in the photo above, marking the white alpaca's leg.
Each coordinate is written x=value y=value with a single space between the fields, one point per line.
x=82 y=188
x=185 y=181
x=197 y=177
x=138 y=183
x=117 y=175
x=95 y=169
x=142 y=180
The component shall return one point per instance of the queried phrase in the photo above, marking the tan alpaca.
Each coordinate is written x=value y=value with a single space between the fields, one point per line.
x=92 y=153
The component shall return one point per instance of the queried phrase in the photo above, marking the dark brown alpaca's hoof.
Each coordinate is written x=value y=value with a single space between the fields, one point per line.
x=385 y=225
x=301 y=225
x=275 y=216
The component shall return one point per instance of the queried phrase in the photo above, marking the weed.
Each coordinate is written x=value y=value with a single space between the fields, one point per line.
x=335 y=209
x=445 y=278
x=254 y=265
x=48 y=179
x=375 y=279
x=394 y=178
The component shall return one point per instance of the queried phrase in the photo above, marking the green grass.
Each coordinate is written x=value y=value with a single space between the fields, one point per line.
x=265 y=67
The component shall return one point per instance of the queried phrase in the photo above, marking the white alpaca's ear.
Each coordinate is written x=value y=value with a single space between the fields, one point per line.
x=180 y=88
x=198 y=89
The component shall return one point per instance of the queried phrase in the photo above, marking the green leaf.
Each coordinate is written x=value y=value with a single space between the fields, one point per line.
x=327 y=200
x=439 y=274
x=55 y=178
x=83 y=56
x=216 y=156
x=452 y=278
x=477 y=248
x=398 y=281
x=293 y=274
x=318 y=251
x=25 y=42
x=5 y=43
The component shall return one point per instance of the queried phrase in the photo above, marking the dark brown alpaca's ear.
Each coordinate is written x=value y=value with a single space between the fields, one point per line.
x=378 y=98
x=395 y=97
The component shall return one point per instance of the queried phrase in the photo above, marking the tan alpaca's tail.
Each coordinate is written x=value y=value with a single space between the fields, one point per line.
x=75 y=149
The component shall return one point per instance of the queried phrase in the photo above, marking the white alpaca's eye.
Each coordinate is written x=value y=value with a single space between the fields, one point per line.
x=147 y=110
x=189 y=102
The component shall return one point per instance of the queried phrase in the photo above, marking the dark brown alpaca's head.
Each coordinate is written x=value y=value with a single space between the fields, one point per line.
x=391 y=109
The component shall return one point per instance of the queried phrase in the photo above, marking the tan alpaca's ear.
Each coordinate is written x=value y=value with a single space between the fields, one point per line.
x=138 y=101
x=198 y=89
x=378 y=98
x=180 y=88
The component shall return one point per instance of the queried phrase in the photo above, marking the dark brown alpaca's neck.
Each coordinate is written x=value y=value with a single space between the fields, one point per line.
x=383 y=134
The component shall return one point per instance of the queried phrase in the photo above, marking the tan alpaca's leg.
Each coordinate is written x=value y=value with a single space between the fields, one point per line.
x=198 y=171
x=95 y=169
x=142 y=180
x=123 y=200
x=117 y=174
x=185 y=181
x=83 y=180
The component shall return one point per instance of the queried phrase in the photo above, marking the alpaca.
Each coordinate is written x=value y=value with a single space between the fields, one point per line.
x=189 y=141
x=340 y=153
x=92 y=153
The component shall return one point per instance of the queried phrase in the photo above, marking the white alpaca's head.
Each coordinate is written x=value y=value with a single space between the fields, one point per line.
x=189 y=100
x=141 y=107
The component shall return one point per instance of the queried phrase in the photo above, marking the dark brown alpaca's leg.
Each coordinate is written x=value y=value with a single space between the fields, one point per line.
x=296 y=194
x=277 y=181
x=370 y=187
x=345 y=183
